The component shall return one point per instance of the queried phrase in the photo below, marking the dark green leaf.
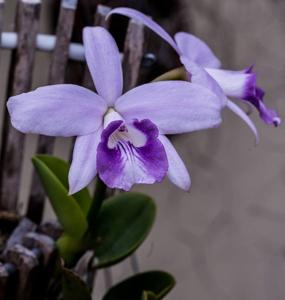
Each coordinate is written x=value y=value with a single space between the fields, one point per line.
x=123 y=224
x=70 y=210
x=73 y=287
x=153 y=284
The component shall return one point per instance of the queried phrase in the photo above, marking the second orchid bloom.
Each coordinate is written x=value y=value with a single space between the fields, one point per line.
x=203 y=68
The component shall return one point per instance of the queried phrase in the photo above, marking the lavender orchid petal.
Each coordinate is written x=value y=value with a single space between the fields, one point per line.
x=237 y=84
x=196 y=50
x=177 y=172
x=242 y=84
x=148 y=22
x=239 y=112
x=104 y=62
x=131 y=153
x=174 y=106
x=57 y=110
x=84 y=161
x=198 y=75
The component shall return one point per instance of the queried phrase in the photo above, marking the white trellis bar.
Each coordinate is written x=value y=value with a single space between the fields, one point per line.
x=44 y=42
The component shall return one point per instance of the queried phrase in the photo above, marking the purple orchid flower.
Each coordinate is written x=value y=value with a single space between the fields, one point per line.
x=204 y=68
x=119 y=137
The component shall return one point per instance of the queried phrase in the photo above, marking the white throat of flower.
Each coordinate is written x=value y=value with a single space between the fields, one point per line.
x=110 y=116
x=125 y=134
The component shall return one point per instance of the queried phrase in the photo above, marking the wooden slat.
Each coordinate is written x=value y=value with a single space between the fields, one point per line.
x=33 y=255
x=100 y=16
x=48 y=257
x=8 y=281
x=2 y=6
x=9 y=276
x=133 y=53
x=63 y=37
x=12 y=153
x=27 y=265
x=4 y=278
x=56 y=76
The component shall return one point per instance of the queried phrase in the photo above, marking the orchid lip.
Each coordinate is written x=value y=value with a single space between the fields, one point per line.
x=131 y=153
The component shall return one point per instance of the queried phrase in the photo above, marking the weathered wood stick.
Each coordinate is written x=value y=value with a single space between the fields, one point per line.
x=27 y=265
x=47 y=255
x=2 y=5
x=56 y=76
x=63 y=37
x=21 y=70
x=133 y=53
x=4 y=282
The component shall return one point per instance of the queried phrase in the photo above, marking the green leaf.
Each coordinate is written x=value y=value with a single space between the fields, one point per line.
x=70 y=210
x=153 y=285
x=148 y=296
x=123 y=224
x=73 y=287
x=70 y=249
x=60 y=169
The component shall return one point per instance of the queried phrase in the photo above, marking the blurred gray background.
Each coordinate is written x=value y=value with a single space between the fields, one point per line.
x=225 y=239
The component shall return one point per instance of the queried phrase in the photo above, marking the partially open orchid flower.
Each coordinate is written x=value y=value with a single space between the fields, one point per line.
x=119 y=137
x=204 y=68
x=238 y=84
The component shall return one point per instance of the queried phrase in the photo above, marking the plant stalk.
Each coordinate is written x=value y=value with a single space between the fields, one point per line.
x=175 y=74
x=99 y=196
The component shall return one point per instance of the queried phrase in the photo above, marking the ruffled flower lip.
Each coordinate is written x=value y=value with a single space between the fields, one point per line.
x=131 y=153
x=255 y=96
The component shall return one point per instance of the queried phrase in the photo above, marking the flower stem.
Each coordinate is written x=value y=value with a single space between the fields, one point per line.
x=99 y=196
x=175 y=74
